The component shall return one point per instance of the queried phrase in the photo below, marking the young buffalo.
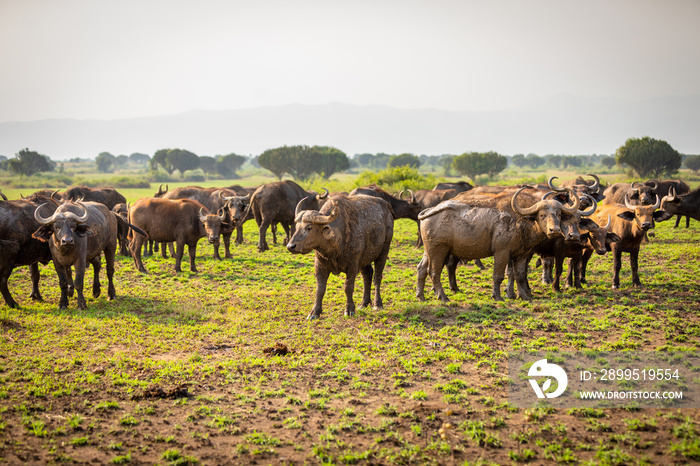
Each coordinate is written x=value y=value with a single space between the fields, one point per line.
x=348 y=234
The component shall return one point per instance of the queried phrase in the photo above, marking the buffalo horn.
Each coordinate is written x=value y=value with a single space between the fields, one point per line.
x=323 y=196
x=635 y=187
x=413 y=197
x=43 y=220
x=222 y=214
x=595 y=184
x=83 y=218
x=670 y=197
x=300 y=206
x=53 y=197
x=654 y=185
x=577 y=202
x=594 y=206
x=4 y=198
x=523 y=211
x=657 y=204
x=607 y=225
x=550 y=183
x=401 y=194
x=326 y=219
x=202 y=215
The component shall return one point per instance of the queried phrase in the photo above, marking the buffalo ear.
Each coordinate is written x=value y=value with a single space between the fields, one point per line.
x=328 y=232
x=82 y=230
x=661 y=215
x=585 y=236
x=626 y=215
x=612 y=237
x=587 y=224
x=43 y=234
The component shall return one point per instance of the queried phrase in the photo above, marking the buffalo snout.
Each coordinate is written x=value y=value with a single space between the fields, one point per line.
x=646 y=226
x=291 y=247
x=67 y=241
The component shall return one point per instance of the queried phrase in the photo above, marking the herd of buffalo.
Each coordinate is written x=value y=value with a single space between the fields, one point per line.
x=349 y=232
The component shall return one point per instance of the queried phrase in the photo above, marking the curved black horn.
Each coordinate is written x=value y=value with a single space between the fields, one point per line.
x=550 y=183
x=596 y=183
x=592 y=209
x=299 y=208
x=43 y=220
x=323 y=196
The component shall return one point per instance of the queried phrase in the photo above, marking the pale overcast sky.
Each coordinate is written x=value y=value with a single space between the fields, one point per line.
x=109 y=59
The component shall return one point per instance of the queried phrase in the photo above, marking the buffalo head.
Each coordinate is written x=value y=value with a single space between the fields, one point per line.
x=312 y=229
x=214 y=224
x=644 y=215
x=64 y=227
x=547 y=213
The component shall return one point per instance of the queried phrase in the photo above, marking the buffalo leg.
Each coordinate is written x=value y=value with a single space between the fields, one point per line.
x=4 y=276
x=500 y=262
x=227 y=245
x=617 y=265
x=136 y=243
x=584 y=263
x=510 y=287
x=379 y=265
x=634 y=264
x=80 y=266
x=262 y=230
x=171 y=248
x=239 y=234
x=192 y=251
x=437 y=262
x=110 y=254
x=349 y=289
x=558 y=270
x=178 y=255
x=96 y=265
x=451 y=266
x=63 y=285
x=575 y=269
x=520 y=274
x=678 y=220
x=367 y=273
x=421 y=276
x=34 y=272
x=570 y=272
x=687 y=221
x=321 y=282
x=217 y=245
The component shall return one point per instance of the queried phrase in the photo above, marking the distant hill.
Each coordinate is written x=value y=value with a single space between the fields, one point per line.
x=562 y=125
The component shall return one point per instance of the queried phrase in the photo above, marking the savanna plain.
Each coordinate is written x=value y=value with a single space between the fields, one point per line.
x=222 y=367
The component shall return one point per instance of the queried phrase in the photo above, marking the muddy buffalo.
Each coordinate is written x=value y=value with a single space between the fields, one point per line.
x=348 y=235
x=497 y=227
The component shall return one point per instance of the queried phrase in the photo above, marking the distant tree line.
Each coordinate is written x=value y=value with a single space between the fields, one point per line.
x=302 y=162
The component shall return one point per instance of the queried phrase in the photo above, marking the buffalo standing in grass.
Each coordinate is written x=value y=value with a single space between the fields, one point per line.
x=78 y=233
x=663 y=188
x=348 y=234
x=687 y=204
x=213 y=200
x=496 y=227
x=122 y=210
x=182 y=221
x=630 y=223
x=636 y=193
x=17 y=246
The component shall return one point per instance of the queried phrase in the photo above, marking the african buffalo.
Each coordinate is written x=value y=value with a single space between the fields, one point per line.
x=213 y=200
x=687 y=204
x=459 y=186
x=107 y=196
x=629 y=222
x=348 y=234
x=496 y=227
x=17 y=246
x=276 y=203
x=78 y=233
x=401 y=208
x=636 y=193
x=182 y=221
x=663 y=188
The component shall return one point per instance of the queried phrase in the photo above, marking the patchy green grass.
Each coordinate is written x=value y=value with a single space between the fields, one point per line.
x=174 y=370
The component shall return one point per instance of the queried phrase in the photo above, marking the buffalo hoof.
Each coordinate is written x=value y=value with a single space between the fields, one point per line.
x=312 y=316
x=349 y=313
x=12 y=304
x=36 y=297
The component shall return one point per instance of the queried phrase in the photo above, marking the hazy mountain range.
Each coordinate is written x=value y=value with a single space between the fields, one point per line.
x=562 y=125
